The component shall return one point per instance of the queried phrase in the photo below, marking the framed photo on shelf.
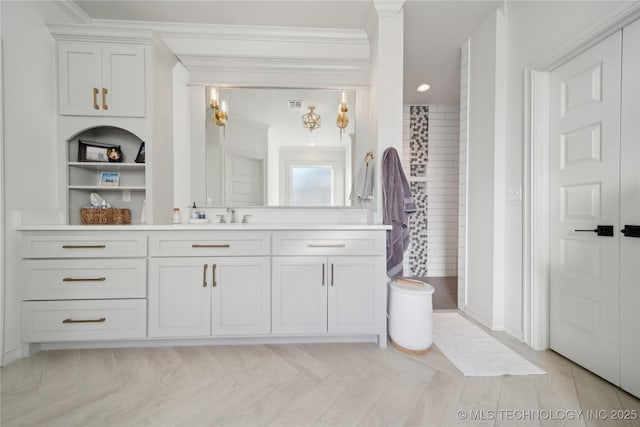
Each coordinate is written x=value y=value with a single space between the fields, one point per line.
x=90 y=151
x=109 y=179
x=140 y=158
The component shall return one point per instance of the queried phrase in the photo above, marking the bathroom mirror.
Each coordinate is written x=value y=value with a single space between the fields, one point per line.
x=265 y=156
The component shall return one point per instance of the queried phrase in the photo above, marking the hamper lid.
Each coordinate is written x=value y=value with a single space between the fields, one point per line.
x=411 y=286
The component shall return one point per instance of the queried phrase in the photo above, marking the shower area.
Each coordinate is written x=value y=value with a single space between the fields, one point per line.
x=431 y=162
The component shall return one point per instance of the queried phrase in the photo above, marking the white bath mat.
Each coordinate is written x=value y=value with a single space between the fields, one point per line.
x=475 y=352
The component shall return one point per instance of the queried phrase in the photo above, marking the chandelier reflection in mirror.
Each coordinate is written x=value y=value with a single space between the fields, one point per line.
x=220 y=110
x=311 y=120
x=342 y=121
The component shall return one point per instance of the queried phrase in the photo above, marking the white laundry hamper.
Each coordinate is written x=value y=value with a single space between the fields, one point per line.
x=411 y=316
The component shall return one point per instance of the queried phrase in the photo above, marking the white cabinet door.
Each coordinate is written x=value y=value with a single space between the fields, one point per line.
x=101 y=79
x=241 y=296
x=180 y=297
x=123 y=80
x=356 y=300
x=299 y=295
x=79 y=77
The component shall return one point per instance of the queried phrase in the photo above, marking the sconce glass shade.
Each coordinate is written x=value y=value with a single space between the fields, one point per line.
x=311 y=120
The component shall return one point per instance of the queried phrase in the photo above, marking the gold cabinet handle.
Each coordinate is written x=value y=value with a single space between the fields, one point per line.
x=323 y=274
x=213 y=267
x=104 y=99
x=195 y=245
x=84 y=279
x=84 y=246
x=204 y=275
x=100 y=320
x=326 y=245
x=331 y=274
x=95 y=98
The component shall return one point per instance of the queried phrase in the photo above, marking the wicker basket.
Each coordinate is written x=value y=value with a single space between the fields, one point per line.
x=105 y=216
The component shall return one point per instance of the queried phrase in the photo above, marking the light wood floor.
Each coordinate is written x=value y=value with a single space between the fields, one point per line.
x=291 y=385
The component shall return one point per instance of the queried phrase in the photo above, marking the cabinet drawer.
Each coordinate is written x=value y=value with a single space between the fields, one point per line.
x=84 y=279
x=209 y=243
x=44 y=321
x=329 y=243
x=83 y=245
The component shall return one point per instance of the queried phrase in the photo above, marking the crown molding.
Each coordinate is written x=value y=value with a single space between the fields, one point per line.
x=74 y=11
x=246 y=32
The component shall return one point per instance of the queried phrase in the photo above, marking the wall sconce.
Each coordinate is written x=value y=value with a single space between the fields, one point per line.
x=342 y=121
x=311 y=120
x=220 y=110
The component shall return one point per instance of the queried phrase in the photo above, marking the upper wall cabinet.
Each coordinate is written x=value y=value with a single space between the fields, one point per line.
x=101 y=79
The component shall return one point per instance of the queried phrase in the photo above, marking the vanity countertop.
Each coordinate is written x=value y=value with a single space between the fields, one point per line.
x=210 y=226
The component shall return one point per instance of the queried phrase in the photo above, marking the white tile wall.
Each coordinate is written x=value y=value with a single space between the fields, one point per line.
x=442 y=187
x=462 y=176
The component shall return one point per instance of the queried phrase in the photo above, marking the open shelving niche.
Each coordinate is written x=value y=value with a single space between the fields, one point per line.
x=83 y=177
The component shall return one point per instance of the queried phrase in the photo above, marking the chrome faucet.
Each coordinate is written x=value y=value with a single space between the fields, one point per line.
x=233 y=215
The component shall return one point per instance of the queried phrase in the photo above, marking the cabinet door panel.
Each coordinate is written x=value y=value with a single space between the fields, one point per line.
x=356 y=295
x=123 y=71
x=242 y=296
x=299 y=295
x=179 y=303
x=78 y=74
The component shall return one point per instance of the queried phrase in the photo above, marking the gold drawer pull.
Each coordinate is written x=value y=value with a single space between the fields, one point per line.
x=84 y=279
x=195 y=245
x=104 y=99
x=84 y=246
x=204 y=275
x=331 y=274
x=95 y=98
x=215 y=282
x=100 y=320
x=326 y=245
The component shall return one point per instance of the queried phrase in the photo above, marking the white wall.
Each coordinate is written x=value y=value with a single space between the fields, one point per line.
x=484 y=282
x=30 y=146
x=462 y=176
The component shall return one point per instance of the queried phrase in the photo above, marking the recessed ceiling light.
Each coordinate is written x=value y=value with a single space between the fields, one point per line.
x=423 y=87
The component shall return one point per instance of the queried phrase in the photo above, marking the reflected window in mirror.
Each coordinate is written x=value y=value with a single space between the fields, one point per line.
x=311 y=186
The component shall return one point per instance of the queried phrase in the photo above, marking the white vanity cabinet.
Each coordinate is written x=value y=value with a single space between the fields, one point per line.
x=328 y=283
x=101 y=79
x=213 y=283
x=81 y=286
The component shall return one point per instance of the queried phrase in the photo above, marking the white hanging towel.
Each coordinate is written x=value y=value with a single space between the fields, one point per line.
x=362 y=188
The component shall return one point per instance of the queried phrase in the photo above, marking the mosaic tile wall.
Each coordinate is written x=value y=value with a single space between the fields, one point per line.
x=418 y=155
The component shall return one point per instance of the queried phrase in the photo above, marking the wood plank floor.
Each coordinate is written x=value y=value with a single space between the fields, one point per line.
x=295 y=385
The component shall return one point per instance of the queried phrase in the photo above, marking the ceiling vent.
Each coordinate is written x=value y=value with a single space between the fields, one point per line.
x=295 y=104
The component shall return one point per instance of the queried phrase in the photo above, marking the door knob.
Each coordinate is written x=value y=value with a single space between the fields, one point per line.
x=631 y=230
x=601 y=230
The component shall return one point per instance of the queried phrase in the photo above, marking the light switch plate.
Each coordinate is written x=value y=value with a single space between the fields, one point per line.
x=126 y=196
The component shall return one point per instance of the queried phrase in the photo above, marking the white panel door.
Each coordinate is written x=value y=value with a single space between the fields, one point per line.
x=584 y=193
x=241 y=296
x=244 y=180
x=179 y=297
x=356 y=301
x=299 y=295
x=630 y=212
